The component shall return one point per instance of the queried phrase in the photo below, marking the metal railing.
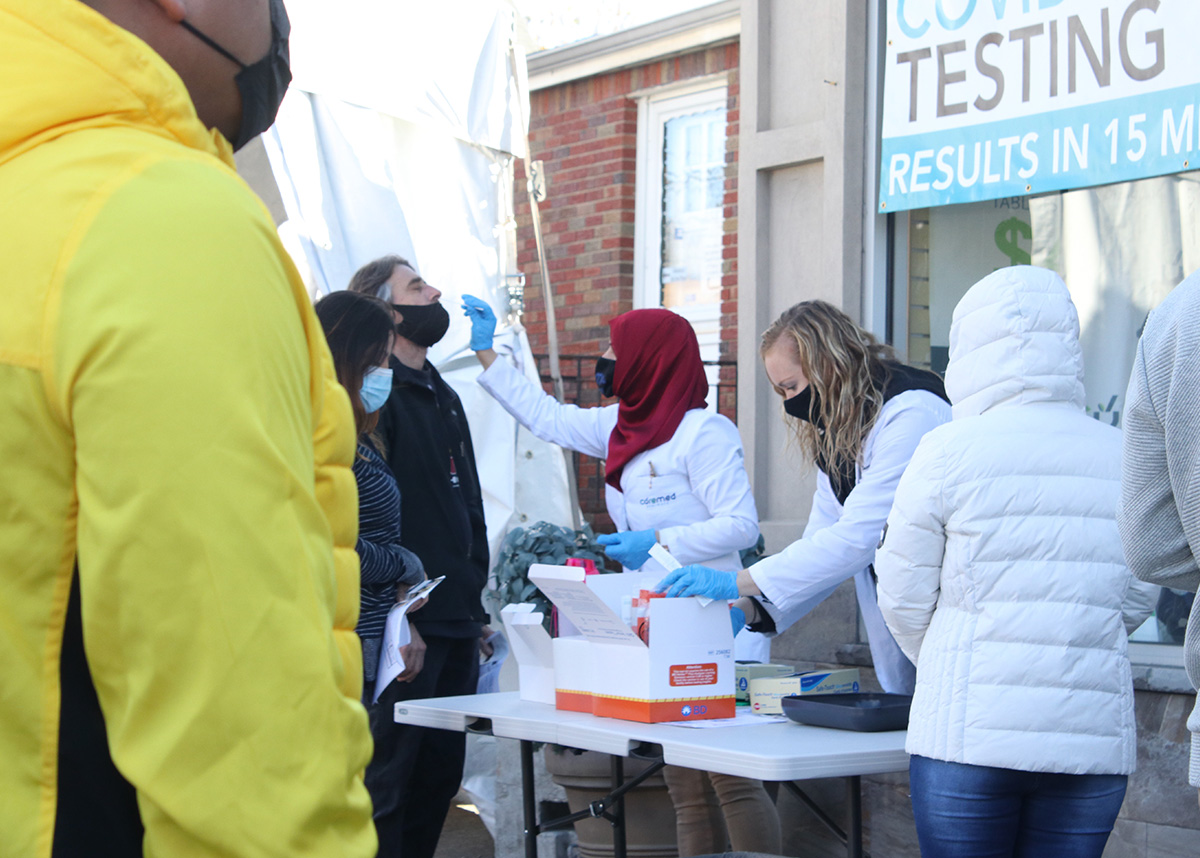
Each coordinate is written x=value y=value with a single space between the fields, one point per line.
x=579 y=388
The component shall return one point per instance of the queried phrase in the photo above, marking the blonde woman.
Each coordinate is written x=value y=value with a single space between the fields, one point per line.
x=858 y=415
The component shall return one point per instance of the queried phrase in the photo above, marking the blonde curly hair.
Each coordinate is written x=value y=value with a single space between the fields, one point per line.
x=847 y=368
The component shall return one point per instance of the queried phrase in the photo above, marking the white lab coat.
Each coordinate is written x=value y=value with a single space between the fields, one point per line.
x=693 y=490
x=839 y=541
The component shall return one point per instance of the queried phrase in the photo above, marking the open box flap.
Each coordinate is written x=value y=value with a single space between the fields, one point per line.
x=565 y=587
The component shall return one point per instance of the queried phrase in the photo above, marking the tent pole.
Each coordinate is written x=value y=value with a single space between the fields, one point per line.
x=547 y=294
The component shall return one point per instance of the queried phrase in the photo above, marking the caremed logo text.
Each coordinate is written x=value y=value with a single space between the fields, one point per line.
x=657 y=500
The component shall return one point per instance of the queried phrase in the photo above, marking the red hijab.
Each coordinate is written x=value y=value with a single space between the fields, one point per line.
x=659 y=377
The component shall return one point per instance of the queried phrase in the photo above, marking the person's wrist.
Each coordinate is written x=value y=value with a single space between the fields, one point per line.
x=749 y=607
x=746 y=585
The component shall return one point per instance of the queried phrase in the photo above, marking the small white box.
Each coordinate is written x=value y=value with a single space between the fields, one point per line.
x=532 y=648
x=767 y=693
x=748 y=670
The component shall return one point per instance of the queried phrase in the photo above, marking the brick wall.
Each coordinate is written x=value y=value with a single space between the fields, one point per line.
x=585 y=133
x=729 y=253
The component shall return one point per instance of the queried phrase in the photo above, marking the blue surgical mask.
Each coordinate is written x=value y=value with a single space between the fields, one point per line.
x=376 y=388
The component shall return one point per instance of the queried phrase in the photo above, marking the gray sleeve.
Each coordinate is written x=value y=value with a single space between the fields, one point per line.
x=1152 y=531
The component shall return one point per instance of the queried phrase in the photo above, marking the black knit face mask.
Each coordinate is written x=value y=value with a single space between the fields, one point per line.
x=804 y=406
x=423 y=324
x=606 y=371
x=262 y=84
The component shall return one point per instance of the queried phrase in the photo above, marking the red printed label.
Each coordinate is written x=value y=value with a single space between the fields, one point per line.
x=693 y=674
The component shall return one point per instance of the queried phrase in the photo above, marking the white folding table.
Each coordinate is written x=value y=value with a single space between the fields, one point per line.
x=772 y=752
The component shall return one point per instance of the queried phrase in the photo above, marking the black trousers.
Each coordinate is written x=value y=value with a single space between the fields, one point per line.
x=415 y=771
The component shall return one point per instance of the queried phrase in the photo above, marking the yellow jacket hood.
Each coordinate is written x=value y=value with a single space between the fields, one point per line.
x=65 y=67
x=176 y=451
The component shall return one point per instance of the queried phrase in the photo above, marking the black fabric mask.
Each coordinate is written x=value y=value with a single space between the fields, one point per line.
x=804 y=404
x=263 y=83
x=423 y=324
x=606 y=370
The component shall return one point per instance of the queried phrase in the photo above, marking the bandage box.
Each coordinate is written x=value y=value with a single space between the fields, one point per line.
x=685 y=673
x=766 y=693
x=748 y=670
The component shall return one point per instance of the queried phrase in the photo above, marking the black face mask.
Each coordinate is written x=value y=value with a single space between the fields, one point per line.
x=423 y=324
x=803 y=404
x=606 y=370
x=263 y=83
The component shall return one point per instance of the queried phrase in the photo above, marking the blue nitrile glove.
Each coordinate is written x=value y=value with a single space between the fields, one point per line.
x=483 y=322
x=738 y=618
x=630 y=548
x=700 y=581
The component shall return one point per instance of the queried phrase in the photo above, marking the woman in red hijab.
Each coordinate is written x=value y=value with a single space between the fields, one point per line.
x=675 y=475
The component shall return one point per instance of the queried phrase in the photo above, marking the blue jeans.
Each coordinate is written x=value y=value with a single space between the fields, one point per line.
x=965 y=811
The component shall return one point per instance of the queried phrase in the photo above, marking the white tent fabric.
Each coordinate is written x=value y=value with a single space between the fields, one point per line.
x=443 y=66
x=397 y=136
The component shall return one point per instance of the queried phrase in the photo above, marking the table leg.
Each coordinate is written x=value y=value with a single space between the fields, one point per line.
x=528 y=799
x=854 y=841
x=851 y=838
x=618 y=823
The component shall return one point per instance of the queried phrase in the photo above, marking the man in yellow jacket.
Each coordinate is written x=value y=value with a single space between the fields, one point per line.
x=178 y=586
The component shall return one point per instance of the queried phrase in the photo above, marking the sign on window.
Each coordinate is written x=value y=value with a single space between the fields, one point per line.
x=986 y=99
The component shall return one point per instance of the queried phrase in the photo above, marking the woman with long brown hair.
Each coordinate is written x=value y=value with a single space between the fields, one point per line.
x=359 y=330
x=857 y=414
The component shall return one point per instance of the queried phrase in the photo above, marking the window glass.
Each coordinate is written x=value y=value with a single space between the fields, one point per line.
x=693 y=222
x=1119 y=248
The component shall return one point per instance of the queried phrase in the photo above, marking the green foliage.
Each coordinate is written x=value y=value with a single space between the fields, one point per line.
x=542 y=542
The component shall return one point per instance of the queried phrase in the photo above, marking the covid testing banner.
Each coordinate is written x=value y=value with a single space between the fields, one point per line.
x=985 y=99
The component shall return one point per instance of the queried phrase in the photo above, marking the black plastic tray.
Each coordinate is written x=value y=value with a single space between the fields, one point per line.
x=866 y=712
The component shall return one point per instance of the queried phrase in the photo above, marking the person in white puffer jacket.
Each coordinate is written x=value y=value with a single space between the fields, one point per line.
x=1002 y=577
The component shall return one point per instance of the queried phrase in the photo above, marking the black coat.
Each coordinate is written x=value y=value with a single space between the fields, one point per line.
x=428 y=447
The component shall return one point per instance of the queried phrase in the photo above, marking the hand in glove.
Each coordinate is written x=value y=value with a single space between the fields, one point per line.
x=630 y=548
x=483 y=322
x=738 y=618
x=700 y=581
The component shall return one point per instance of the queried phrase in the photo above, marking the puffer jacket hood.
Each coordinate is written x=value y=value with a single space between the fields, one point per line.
x=56 y=49
x=1014 y=340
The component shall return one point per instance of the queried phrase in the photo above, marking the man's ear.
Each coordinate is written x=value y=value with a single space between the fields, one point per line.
x=174 y=9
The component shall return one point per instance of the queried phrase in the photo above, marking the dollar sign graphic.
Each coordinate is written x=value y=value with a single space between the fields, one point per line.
x=1006 y=240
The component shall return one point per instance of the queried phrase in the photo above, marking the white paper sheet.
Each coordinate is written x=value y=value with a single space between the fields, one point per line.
x=564 y=586
x=396 y=634
x=744 y=718
x=664 y=558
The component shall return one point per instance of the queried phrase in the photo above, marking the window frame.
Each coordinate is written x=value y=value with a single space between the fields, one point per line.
x=655 y=107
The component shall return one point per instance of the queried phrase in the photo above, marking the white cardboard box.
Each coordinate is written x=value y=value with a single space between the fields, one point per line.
x=767 y=693
x=533 y=650
x=686 y=673
x=750 y=670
